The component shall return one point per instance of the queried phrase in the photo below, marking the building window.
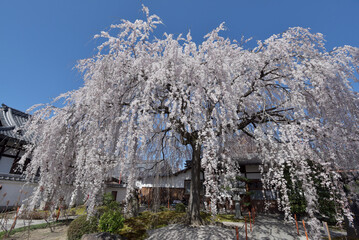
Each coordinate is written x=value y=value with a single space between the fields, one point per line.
x=114 y=195
x=271 y=195
x=258 y=195
x=255 y=185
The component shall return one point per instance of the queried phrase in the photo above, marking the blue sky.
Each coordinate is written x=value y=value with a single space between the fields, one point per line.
x=41 y=40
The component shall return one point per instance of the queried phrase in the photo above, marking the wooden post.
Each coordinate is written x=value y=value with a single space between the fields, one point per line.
x=296 y=223
x=305 y=230
x=237 y=233
x=58 y=214
x=245 y=225
x=253 y=214
x=326 y=227
x=14 y=223
x=168 y=204
x=250 y=221
x=140 y=197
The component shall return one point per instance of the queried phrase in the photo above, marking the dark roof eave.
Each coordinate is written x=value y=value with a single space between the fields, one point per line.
x=115 y=185
x=8 y=136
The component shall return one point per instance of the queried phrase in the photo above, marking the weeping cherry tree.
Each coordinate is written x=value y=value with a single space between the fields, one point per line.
x=144 y=94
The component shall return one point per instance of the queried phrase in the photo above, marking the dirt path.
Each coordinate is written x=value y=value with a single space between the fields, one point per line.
x=59 y=233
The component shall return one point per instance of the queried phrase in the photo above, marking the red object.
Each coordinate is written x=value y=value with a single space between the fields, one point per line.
x=250 y=221
x=296 y=223
x=58 y=214
x=245 y=224
x=253 y=213
x=14 y=223
x=305 y=230
x=237 y=233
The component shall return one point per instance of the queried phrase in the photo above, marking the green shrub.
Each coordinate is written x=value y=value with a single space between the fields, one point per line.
x=107 y=198
x=163 y=208
x=180 y=207
x=298 y=203
x=109 y=202
x=81 y=226
x=111 y=221
x=99 y=211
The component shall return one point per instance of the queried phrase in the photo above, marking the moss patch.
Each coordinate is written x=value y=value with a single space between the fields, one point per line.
x=206 y=217
x=77 y=211
x=227 y=218
x=136 y=227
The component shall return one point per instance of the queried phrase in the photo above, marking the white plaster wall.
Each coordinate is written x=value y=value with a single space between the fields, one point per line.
x=5 y=164
x=66 y=193
x=167 y=182
x=121 y=193
x=14 y=192
x=17 y=192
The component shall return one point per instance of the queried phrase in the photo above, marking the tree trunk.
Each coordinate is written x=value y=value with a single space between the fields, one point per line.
x=193 y=212
x=133 y=205
x=353 y=228
x=352 y=192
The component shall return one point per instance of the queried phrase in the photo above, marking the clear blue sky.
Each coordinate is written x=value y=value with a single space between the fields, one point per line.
x=41 y=40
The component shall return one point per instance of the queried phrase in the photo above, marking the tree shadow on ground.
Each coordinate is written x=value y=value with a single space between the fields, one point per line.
x=180 y=231
x=265 y=228
x=273 y=227
x=270 y=227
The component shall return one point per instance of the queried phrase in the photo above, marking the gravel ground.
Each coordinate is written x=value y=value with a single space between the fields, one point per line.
x=265 y=228
x=179 y=231
x=58 y=233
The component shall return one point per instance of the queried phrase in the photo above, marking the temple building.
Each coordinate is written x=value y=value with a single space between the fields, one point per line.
x=13 y=190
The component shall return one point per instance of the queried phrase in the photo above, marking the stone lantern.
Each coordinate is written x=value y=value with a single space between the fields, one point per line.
x=239 y=188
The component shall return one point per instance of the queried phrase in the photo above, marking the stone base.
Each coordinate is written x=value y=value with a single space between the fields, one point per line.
x=102 y=236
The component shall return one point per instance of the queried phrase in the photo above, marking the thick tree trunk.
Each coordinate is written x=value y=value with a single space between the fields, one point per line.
x=193 y=213
x=352 y=191
x=353 y=228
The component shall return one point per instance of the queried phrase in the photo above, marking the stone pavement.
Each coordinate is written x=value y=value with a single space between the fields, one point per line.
x=6 y=225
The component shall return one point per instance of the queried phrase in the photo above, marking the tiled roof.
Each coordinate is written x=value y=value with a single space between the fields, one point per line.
x=115 y=185
x=13 y=177
x=10 y=120
x=248 y=159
